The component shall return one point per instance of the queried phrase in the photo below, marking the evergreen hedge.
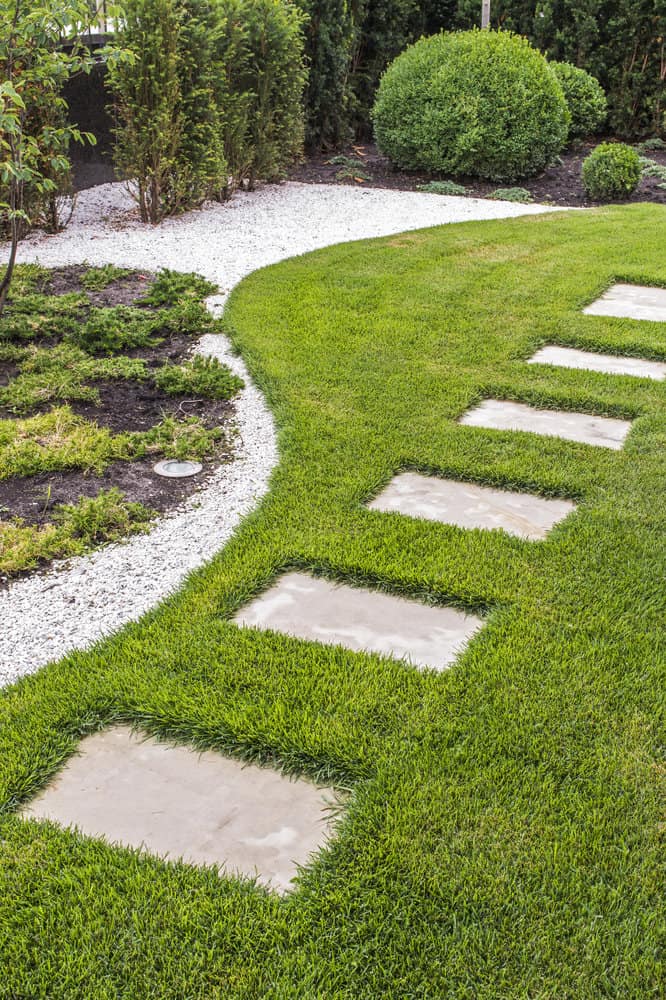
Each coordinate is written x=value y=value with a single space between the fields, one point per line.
x=478 y=103
x=212 y=99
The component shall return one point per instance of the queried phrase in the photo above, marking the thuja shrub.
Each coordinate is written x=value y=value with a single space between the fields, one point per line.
x=481 y=103
x=260 y=79
x=611 y=171
x=585 y=99
x=331 y=38
x=169 y=141
x=212 y=99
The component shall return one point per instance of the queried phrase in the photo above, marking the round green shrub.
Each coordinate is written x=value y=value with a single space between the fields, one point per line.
x=585 y=98
x=482 y=103
x=612 y=170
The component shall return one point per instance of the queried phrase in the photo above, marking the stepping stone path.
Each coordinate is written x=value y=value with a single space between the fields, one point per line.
x=609 y=364
x=468 y=505
x=334 y=614
x=498 y=414
x=208 y=809
x=631 y=302
x=177 y=803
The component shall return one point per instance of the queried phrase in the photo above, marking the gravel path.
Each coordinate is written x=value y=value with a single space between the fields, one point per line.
x=79 y=602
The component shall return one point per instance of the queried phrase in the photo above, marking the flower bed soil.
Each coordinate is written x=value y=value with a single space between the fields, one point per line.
x=559 y=184
x=123 y=405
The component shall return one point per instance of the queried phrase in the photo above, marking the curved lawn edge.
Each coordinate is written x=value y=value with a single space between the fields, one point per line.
x=77 y=603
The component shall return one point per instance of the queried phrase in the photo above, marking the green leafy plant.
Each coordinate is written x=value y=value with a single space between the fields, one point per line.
x=170 y=288
x=442 y=187
x=585 y=99
x=261 y=75
x=169 y=142
x=201 y=376
x=650 y=168
x=95 y=279
x=480 y=103
x=329 y=35
x=34 y=135
x=351 y=168
x=109 y=330
x=75 y=529
x=611 y=171
x=652 y=145
x=518 y=194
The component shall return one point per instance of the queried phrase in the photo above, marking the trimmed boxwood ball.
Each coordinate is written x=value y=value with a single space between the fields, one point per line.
x=585 y=98
x=611 y=171
x=481 y=103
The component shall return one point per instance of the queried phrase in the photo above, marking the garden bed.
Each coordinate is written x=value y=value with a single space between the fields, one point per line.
x=96 y=385
x=364 y=166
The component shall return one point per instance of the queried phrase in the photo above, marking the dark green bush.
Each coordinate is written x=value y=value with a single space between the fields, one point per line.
x=169 y=140
x=211 y=100
x=480 y=103
x=171 y=287
x=611 y=171
x=329 y=33
x=620 y=42
x=261 y=75
x=109 y=330
x=585 y=99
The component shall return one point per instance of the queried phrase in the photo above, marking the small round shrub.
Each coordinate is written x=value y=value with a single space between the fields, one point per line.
x=612 y=170
x=482 y=103
x=585 y=99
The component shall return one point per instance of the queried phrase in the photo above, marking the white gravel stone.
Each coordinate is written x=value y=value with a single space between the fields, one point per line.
x=79 y=602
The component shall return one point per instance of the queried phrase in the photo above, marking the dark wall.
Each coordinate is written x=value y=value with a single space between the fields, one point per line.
x=87 y=100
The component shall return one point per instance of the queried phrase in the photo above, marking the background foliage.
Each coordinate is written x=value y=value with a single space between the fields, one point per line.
x=350 y=42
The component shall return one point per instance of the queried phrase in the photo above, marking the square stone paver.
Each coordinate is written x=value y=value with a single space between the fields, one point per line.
x=631 y=302
x=177 y=803
x=309 y=607
x=609 y=364
x=497 y=414
x=469 y=505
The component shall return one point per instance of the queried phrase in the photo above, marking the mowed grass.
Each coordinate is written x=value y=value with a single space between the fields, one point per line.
x=503 y=835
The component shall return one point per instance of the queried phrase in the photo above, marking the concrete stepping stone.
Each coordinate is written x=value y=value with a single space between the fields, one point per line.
x=308 y=607
x=497 y=414
x=631 y=302
x=469 y=505
x=174 y=802
x=610 y=364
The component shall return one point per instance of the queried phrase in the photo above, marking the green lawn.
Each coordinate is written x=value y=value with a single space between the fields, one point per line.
x=503 y=836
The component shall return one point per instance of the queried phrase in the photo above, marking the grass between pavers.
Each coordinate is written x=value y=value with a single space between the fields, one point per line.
x=503 y=835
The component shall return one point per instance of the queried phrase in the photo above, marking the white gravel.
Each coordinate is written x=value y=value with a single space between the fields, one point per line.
x=44 y=616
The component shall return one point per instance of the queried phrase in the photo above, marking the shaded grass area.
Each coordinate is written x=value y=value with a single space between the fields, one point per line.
x=503 y=837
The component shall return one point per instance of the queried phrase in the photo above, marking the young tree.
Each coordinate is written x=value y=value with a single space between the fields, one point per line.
x=33 y=68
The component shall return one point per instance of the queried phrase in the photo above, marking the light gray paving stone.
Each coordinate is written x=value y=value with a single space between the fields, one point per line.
x=311 y=608
x=497 y=414
x=631 y=302
x=610 y=364
x=469 y=505
x=176 y=803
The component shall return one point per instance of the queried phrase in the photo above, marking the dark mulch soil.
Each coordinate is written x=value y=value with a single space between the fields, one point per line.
x=124 y=292
x=124 y=405
x=559 y=184
x=34 y=498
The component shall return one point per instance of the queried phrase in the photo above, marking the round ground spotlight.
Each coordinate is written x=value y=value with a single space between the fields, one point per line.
x=173 y=468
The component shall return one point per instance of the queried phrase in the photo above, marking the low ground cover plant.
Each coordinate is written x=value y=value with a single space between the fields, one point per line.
x=611 y=171
x=84 y=387
x=479 y=103
x=503 y=834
